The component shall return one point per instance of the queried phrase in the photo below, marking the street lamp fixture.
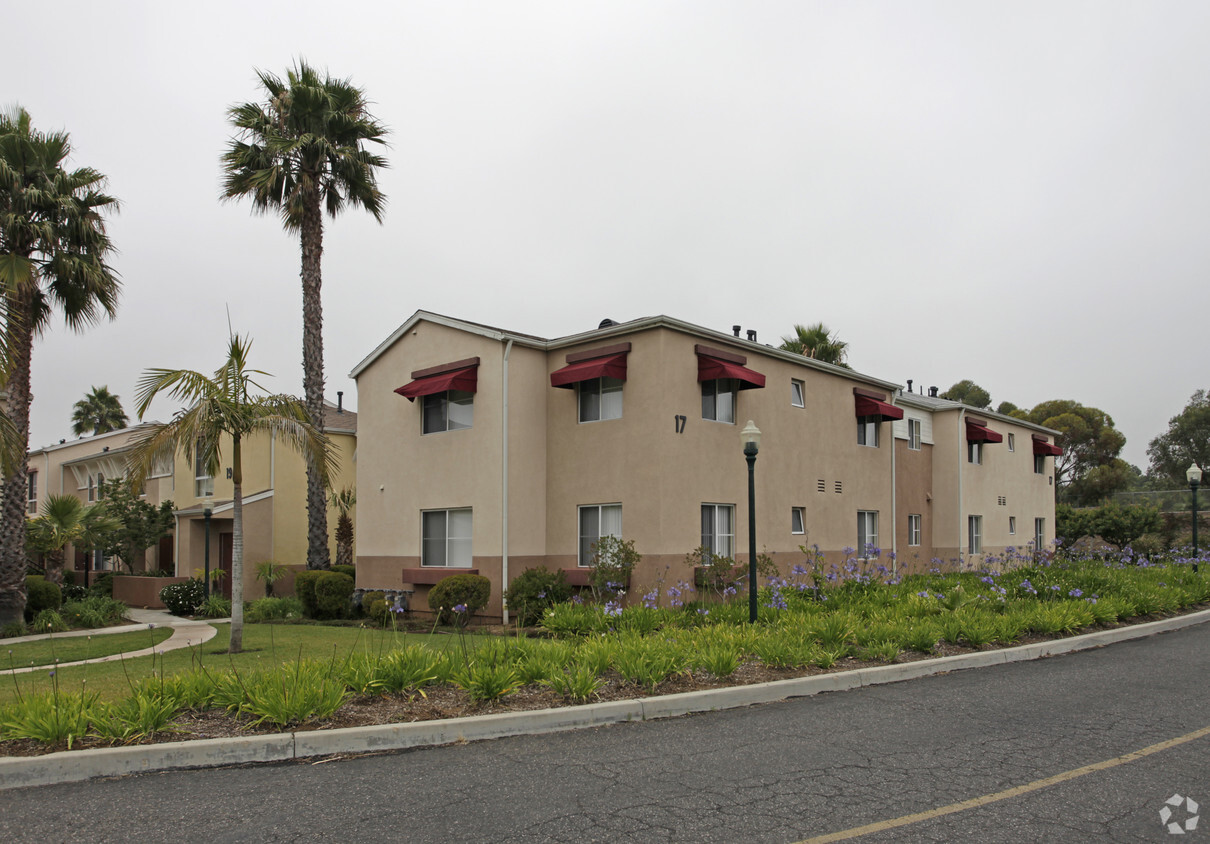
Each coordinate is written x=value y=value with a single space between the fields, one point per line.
x=750 y=437
x=207 y=511
x=1194 y=475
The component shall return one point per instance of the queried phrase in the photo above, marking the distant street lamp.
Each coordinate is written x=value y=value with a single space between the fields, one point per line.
x=1194 y=476
x=750 y=437
x=206 y=513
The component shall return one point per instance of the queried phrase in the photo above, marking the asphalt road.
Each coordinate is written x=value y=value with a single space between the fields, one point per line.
x=776 y=773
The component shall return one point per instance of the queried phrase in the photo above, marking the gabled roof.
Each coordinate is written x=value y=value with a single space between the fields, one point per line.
x=96 y=438
x=939 y=405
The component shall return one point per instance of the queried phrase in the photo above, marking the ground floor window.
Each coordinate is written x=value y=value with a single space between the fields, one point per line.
x=974 y=530
x=1012 y=525
x=597 y=520
x=798 y=521
x=867 y=532
x=1039 y=534
x=914 y=529
x=446 y=538
x=718 y=530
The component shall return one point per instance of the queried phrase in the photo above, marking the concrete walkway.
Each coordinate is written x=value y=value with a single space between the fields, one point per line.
x=185 y=634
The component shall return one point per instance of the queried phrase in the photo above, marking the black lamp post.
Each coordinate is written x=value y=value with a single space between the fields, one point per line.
x=750 y=437
x=206 y=512
x=1194 y=475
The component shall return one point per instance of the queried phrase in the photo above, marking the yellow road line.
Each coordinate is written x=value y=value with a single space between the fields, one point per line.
x=975 y=802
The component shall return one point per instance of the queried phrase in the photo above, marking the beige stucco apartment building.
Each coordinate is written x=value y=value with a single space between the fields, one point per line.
x=493 y=451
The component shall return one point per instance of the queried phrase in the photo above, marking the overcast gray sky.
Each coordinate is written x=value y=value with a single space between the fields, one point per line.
x=1016 y=193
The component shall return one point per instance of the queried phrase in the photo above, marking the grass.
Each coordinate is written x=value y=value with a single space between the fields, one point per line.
x=72 y=648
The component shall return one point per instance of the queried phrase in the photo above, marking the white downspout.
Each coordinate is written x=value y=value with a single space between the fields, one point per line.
x=508 y=348
x=894 y=507
x=961 y=470
x=273 y=460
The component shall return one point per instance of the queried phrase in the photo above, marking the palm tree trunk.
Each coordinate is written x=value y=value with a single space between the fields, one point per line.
x=236 y=644
x=313 y=376
x=54 y=566
x=13 y=496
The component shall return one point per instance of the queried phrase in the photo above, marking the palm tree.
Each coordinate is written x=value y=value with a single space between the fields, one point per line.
x=343 y=501
x=299 y=153
x=99 y=411
x=53 y=253
x=219 y=409
x=65 y=520
x=815 y=341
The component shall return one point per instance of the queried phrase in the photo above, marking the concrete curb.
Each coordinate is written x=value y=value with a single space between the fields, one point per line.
x=74 y=766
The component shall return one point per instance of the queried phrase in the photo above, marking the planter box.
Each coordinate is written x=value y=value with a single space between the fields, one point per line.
x=136 y=591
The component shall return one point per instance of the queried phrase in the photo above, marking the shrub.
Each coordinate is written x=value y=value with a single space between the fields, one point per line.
x=467 y=590
x=41 y=594
x=535 y=590
x=270 y=572
x=613 y=560
x=333 y=594
x=351 y=571
x=304 y=588
x=216 y=606
x=274 y=609
x=102 y=585
x=183 y=598
x=49 y=621
x=13 y=628
x=71 y=592
x=94 y=611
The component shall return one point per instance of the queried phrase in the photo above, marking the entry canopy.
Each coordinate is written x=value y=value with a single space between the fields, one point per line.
x=979 y=433
x=462 y=375
x=609 y=366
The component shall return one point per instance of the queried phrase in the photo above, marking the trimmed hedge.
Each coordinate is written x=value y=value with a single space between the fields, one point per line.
x=183 y=598
x=333 y=594
x=351 y=571
x=469 y=590
x=304 y=588
x=41 y=595
x=533 y=591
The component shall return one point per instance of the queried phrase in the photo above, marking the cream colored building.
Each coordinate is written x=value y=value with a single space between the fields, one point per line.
x=491 y=451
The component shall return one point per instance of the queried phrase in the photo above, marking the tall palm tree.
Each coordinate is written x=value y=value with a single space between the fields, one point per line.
x=99 y=411
x=221 y=409
x=65 y=520
x=301 y=152
x=344 y=501
x=53 y=254
x=815 y=341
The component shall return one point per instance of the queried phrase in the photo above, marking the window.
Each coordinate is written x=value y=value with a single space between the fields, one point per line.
x=974 y=452
x=597 y=520
x=867 y=532
x=203 y=482
x=914 y=434
x=867 y=430
x=446 y=538
x=31 y=505
x=100 y=486
x=92 y=489
x=1039 y=464
x=1039 y=534
x=1012 y=442
x=798 y=521
x=718 y=400
x=974 y=530
x=1012 y=525
x=914 y=529
x=797 y=394
x=600 y=399
x=448 y=411
x=718 y=529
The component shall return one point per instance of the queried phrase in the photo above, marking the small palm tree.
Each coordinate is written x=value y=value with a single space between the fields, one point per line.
x=343 y=501
x=65 y=520
x=815 y=341
x=303 y=152
x=222 y=408
x=99 y=411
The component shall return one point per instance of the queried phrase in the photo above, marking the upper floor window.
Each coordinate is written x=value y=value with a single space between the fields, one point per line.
x=1039 y=464
x=600 y=399
x=31 y=505
x=974 y=452
x=448 y=411
x=597 y=520
x=446 y=538
x=1012 y=442
x=718 y=529
x=797 y=394
x=92 y=488
x=203 y=481
x=1012 y=525
x=100 y=486
x=718 y=400
x=913 y=426
x=868 y=430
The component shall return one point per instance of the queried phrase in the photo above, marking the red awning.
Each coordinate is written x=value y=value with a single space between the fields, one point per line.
x=709 y=369
x=1046 y=449
x=867 y=406
x=458 y=379
x=610 y=366
x=977 y=433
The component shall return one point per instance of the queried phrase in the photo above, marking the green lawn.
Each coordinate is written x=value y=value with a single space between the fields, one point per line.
x=264 y=645
x=73 y=648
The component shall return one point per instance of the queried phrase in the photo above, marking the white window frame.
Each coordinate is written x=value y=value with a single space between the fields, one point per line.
x=867 y=429
x=440 y=403
x=1039 y=464
x=974 y=452
x=867 y=531
x=608 y=394
x=798 y=520
x=974 y=534
x=914 y=529
x=1012 y=525
x=1012 y=442
x=710 y=393
x=914 y=437
x=1039 y=534
x=31 y=493
x=798 y=393
x=714 y=538
x=459 y=546
x=610 y=514
x=203 y=481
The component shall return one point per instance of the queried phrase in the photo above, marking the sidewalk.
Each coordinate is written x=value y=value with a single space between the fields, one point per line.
x=185 y=634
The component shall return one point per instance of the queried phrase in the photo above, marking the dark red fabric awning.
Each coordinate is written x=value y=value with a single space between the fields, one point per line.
x=709 y=369
x=610 y=366
x=867 y=406
x=1046 y=449
x=458 y=379
x=977 y=433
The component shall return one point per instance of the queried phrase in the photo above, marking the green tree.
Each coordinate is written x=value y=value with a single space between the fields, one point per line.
x=138 y=525
x=970 y=394
x=1186 y=441
x=100 y=411
x=1006 y=408
x=65 y=520
x=344 y=501
x=815 y=341
x=53 y=254
x=300 y=153
x=223 y=408
x=1089 y=440
x=1114 y=523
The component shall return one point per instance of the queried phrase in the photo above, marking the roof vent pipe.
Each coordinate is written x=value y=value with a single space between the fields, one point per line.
x=933 y=392
x=340 y=401
x=751 y=335
x=909 y=385
x=605 y=323
x=736 y=329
